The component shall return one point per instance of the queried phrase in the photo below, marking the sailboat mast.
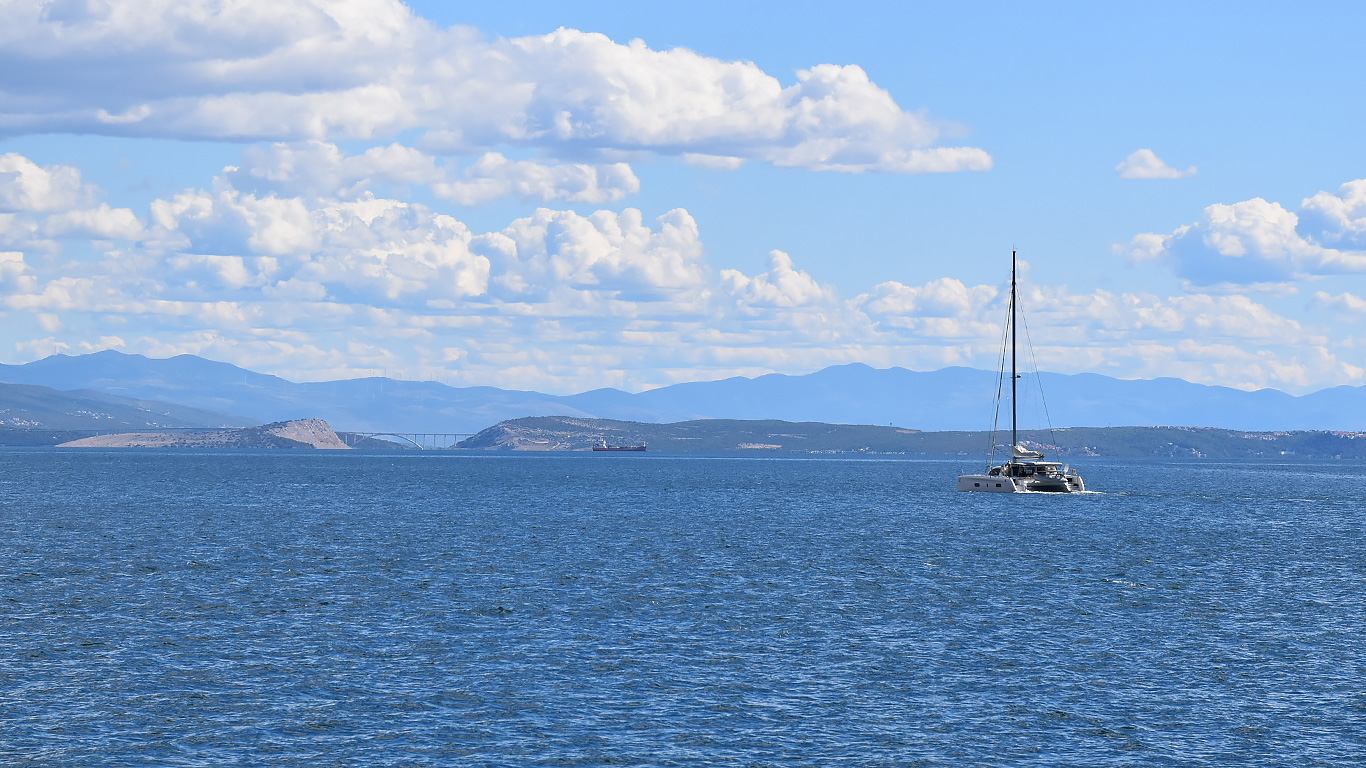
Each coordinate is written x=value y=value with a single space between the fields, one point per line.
x=1014 y=440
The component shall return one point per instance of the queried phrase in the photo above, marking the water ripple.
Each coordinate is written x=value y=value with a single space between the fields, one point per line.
x=191 y=608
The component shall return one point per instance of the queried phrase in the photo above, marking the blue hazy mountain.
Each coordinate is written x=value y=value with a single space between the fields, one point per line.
x=962 y=398
x=947 y=399
x=28 y=407
x=367 y=404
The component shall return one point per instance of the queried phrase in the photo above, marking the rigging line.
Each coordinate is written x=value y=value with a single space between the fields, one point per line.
x=1000 y=382
x=1038 y=381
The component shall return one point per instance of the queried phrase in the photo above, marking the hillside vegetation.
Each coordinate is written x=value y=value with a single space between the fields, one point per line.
x=727 y=437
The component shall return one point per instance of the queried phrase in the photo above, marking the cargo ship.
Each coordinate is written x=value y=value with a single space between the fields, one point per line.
x=603 y=446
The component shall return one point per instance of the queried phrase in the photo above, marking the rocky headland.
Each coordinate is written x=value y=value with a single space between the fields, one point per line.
x=296 y=433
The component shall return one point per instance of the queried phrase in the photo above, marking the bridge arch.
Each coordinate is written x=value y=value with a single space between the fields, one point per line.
x=381 y=435
x=423 y=441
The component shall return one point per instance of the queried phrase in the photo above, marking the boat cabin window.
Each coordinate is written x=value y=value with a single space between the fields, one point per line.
x=995 y=471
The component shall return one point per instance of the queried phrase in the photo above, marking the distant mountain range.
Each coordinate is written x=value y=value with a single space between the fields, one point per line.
x=949 y=399
x=27 y=406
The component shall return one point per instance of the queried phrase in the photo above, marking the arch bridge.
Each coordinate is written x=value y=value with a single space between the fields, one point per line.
x=422 y=441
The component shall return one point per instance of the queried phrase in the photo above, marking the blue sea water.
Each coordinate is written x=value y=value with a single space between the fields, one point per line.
x=186 y=608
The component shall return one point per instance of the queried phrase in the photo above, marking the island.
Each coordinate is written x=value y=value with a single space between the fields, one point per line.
x=786 y=438
x=296 y=433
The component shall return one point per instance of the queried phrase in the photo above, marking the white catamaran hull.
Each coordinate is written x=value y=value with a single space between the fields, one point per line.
x=1001 y=484
x=988 y=484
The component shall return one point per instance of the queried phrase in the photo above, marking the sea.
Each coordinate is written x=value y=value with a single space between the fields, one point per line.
x=428 y=608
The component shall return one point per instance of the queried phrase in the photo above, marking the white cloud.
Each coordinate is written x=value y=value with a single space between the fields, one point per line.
x=36 y=348
x=369 y=69
x=17 y=230
x=364 y=250
x=720 y=162
x=321 y=169
x=1346 y=301
x=1336 y=220
x=215 y=273
x=28 y=187
x=15 y=276
x=1255 y=241
x=493 y=176
x=387 y=252
x=101 y=223
x=361 y=308
x=1145 y=164
x=605 y=251
x=942 y=297
x=781 y=286
x=313 y=284
x=226 y=221
x=42 y=204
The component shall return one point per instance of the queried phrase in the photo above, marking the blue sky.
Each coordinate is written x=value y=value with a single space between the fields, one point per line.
x=333 y=190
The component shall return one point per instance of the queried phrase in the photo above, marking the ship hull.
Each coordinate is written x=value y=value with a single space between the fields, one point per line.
x=1002 y=484
x=987 y=484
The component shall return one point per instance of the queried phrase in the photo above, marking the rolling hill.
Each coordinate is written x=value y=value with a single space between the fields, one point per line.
x=718 y=437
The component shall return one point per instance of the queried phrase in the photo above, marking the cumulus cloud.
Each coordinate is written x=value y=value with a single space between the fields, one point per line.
x=28 y=187
x=493 y=176
x=389 y=252
x=101 y=223
x=40 y=205
x=395 y=251
x=226 y=221
x=941 y=308
x=604 y=251
x=368 y=250
x=369 y=69
x=783 y=285
x=941 y=297
x=395 y=285
x=15 y=276
x=1258 y=241
x=1336 y=220
x=327 y=280
x=321 y=169
x=1145 y=164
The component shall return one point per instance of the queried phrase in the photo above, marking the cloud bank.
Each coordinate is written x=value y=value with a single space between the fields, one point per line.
x=317 y=280
x=301 y=70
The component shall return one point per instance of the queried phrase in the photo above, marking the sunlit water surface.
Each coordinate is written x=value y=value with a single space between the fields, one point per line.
x=311 y=609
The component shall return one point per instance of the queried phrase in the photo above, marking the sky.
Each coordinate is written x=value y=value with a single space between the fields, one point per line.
x=561 y=196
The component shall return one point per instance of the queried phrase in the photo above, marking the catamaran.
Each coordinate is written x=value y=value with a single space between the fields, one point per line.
x=1025 y=471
